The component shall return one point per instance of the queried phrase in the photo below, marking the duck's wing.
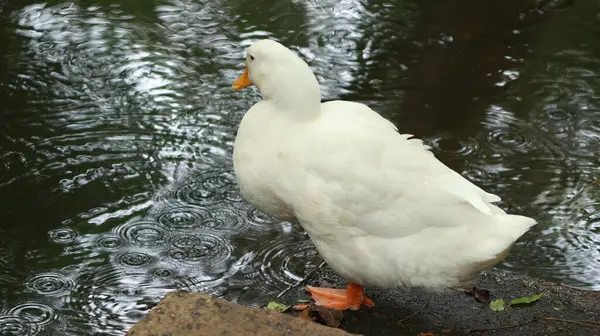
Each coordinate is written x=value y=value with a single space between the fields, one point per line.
x=362 y=173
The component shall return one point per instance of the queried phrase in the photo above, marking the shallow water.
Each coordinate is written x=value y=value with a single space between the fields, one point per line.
x=117 y=123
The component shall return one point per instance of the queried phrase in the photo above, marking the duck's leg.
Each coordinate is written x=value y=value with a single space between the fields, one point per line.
x=340 y=299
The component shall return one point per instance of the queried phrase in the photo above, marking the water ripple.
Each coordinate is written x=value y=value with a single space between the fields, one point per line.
x=17 y=326
x=286 y=261
x=37 y=313
x=109 y=243
x=118 y=124
x=510 y=139
x=134 y=259
x=209 y=188
x=447 y=144
x=223 y=219
x=177 y=216
x=210 y=250
x=62 y=235
x=142 y=233
x=259 y=217
x=50 y=284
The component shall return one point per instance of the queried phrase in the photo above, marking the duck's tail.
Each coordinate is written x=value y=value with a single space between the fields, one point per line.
x=514 y=225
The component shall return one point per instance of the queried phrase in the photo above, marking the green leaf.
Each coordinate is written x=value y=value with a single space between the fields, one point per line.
x=497 y=305
x=526 y=299
x=303 y=301
x=278 y=307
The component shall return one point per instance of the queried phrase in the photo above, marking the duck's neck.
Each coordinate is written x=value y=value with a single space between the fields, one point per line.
x=296 y=93
x=299 y=104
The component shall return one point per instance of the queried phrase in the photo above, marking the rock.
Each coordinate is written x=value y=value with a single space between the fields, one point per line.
x=195 y=314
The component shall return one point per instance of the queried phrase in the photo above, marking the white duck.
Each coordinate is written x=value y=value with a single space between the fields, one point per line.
x=380 y=208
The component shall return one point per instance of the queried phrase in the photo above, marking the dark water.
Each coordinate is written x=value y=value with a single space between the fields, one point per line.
x=117 y=123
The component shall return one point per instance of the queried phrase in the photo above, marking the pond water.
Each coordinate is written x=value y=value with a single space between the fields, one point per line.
x=117 y=124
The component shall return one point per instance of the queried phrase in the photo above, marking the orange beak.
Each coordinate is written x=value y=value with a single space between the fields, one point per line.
x=242 y=81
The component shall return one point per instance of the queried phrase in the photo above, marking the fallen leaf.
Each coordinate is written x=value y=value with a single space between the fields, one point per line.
x=305 y=315
x=329 y=317
x=278 y=307
x=320 y=314
x=429 y=333
x=497 y=305
x=301 y=306
x=303 y=301
x=481 y=295
x=556 y=308
x=526 y=299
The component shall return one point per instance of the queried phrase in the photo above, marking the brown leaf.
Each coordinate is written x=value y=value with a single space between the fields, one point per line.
x=320 y=314
x=481 y=295
x=305 y=315
x=429 y=333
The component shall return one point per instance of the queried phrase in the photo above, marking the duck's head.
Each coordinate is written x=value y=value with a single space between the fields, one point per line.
x=280 y=75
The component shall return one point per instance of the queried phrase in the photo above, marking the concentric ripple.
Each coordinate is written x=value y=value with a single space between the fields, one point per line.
x=109 y=243
x=181 y=216
x=134 y=259
x=260 y=217
x=50 y=284
x=510 y=139
x=62 y=235
x=224 y=219
x=37 y=313
x=286 y=261
x=163 y=273
x=142 y=233
x=209 y=188
x=17 y=326
x=447 y=144
x=208 y=249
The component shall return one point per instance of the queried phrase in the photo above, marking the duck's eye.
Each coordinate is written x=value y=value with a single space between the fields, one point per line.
x=252 y=57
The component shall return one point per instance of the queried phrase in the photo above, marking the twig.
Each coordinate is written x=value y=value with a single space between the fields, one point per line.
x=520 y=324
x=401 y=322
x=300 y=282
x=587 y=323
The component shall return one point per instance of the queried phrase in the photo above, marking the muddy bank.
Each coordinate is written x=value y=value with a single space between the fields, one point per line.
x=560 y=311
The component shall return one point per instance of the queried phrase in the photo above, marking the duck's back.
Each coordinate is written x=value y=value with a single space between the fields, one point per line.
x=356 y=158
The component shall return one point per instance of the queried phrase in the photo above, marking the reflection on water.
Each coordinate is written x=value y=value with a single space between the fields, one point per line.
x=118 y=124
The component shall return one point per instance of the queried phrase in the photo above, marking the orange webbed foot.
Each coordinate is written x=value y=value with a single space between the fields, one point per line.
x=340 y=299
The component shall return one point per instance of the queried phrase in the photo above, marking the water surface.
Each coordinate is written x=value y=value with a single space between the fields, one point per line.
x=117 y=124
